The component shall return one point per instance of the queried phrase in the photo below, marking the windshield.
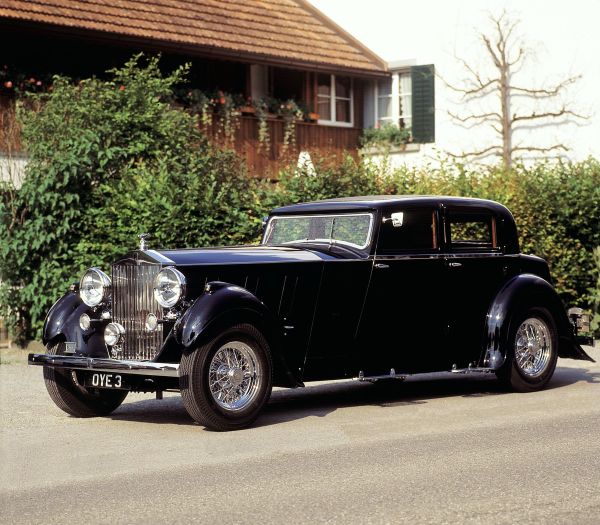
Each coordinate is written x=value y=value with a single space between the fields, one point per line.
x=349 y=229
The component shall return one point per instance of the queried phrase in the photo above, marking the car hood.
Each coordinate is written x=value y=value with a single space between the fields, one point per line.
x=230 y=255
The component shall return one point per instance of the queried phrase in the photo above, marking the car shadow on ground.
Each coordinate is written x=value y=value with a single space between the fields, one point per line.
x=324 y=398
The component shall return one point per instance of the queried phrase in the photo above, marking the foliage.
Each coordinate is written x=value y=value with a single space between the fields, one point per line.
x=386 y=136
x=14 y=80
x=108 y=159
x=595 y=292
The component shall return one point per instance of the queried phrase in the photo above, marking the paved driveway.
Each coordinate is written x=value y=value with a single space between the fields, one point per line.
x=430 y=450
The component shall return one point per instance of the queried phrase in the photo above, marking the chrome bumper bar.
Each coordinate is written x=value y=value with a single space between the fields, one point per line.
x=145 y=368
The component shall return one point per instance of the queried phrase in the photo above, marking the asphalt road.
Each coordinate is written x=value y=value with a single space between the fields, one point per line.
x=431 y=450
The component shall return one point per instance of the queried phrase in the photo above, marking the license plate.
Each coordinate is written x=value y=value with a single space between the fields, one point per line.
x=104 y=380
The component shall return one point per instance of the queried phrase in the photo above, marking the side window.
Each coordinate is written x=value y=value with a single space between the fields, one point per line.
x=413 y=231
x=472 y=231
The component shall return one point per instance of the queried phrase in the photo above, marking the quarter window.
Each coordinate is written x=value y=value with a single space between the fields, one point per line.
x=472 y=231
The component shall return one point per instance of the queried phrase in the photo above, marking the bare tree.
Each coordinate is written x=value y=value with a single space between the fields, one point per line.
x=507 y=52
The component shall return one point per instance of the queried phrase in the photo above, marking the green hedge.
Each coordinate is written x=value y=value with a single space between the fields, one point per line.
x=111 y=159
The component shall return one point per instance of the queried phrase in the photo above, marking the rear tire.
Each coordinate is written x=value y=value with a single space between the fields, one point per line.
x=226 y=382
x=75 y=399
x=532 y=351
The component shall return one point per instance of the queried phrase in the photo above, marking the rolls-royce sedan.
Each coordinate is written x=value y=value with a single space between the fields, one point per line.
x=371 y=288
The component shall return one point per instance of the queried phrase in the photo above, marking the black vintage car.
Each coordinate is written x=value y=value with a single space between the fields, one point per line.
x=369 y=288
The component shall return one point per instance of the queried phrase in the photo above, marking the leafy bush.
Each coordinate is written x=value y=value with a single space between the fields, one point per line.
x=107 y=160
x=386 y=136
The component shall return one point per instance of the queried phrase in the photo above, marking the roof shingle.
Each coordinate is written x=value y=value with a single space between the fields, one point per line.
x=279 y=29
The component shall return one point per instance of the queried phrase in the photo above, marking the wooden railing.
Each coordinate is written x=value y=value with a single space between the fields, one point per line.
x=263 y=159
x=266 y=159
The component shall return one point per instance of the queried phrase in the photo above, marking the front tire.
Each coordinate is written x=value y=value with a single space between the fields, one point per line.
x=532 y=351
x=75 y=399
x=226 y=382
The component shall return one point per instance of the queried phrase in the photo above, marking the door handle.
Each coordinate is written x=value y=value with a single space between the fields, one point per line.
x=382 y=266
x=454 y=264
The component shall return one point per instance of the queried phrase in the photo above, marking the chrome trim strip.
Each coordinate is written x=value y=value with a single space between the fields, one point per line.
x=146 y=368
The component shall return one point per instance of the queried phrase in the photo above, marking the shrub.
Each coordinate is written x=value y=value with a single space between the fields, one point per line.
x=107 y=160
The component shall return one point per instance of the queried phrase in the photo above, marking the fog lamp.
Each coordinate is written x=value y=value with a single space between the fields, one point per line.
x=84 y=322
x=151 y=323
x=114 y=334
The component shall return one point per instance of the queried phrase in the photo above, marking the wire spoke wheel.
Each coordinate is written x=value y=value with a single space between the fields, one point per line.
x=226 y=381
x=234 y=376
x=533 y=347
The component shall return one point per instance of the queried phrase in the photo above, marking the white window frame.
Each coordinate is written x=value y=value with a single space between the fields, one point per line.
x=395 y=95
x=332 y=99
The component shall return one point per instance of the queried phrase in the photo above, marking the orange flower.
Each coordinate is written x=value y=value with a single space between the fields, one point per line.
x=8 y=84
x=121 y=88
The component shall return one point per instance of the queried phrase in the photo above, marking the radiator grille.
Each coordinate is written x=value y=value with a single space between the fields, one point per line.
x=133 y=300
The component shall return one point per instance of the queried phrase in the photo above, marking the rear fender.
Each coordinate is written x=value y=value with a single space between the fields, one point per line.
x=523 y=291
x=224 y=305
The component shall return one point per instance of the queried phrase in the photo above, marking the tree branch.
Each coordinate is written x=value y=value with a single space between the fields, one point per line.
x=548 y=114
x=541 y=150
x=486 y=152
x=471 y=91
x=492 y=115
x=545 y=93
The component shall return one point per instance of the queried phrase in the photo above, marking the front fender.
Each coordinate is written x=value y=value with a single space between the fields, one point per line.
x=63 y=318
x=523 y=291
x=223 y=305
x=62 y=323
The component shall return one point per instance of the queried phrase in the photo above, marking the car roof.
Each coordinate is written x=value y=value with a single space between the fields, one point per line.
x=377 y=202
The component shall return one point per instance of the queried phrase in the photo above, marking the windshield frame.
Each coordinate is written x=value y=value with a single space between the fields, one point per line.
x=329 y=242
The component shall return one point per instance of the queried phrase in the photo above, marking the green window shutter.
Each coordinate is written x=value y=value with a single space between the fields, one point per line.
x=423 y=103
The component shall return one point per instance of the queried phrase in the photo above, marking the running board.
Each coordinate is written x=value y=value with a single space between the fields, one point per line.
x=373 y=379
x=472 y=370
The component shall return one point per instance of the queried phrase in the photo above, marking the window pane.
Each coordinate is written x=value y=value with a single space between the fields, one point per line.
x=384 y=107
x=324 y=108
x=345 y=229
x=342 y=87
x=324 y=85
x=342 y=110
x=406 y=106
x=384 y=87
x=471 y=231
x=405 y=83
x=416 y=233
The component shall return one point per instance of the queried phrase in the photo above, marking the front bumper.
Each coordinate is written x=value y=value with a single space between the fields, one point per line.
x=145 y=368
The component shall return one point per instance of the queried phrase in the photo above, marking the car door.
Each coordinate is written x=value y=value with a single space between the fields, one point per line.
x=402 y=322
x=475 y=269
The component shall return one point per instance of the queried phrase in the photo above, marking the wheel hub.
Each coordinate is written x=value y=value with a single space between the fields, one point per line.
x=236 y=376
x=533 y=347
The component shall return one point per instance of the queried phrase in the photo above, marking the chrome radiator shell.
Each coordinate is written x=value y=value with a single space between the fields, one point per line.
x=132 y=300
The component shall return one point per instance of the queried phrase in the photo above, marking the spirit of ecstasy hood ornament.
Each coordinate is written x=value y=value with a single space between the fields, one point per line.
x=143 y=243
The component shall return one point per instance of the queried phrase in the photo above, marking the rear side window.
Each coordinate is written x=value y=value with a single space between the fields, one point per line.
x=414 y=230
x=472 y=231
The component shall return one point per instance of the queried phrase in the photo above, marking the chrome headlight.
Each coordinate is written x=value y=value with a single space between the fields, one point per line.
x=169 y=287
x=94 y=287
